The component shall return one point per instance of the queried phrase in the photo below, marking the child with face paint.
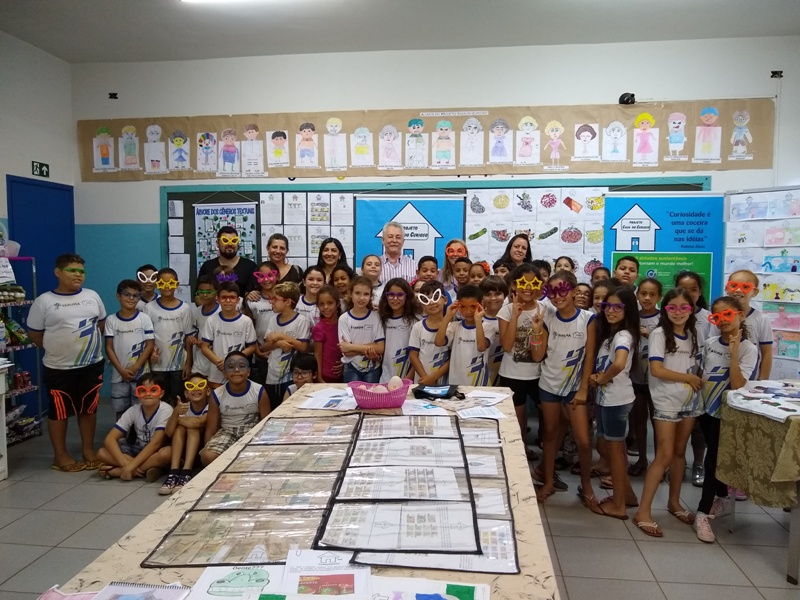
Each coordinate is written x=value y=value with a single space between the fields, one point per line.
x=234 y=408
x=430 y=363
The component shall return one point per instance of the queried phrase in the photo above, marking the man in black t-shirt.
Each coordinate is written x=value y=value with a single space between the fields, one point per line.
x=228 y=246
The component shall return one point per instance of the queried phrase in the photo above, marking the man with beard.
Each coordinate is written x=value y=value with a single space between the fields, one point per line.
x=228 y=246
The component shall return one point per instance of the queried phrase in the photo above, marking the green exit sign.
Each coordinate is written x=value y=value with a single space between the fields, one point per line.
x=40 y=169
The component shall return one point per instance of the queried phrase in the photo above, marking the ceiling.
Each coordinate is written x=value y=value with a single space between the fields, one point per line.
x=81 y=31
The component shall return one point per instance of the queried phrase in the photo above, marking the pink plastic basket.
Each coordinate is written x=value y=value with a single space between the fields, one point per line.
x=366 y=398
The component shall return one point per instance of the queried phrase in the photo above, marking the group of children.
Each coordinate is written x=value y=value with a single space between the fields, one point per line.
x=602 y=354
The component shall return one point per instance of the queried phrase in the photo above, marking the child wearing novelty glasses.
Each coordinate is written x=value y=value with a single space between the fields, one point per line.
x=133 y=447
x=743 y=285
x=429 y=362
x=147 y=275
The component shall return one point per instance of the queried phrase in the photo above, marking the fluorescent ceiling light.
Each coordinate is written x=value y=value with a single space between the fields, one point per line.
x=222 y=1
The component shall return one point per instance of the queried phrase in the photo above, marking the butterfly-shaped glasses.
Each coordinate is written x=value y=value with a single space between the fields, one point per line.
x=433 y=298
x=146 y=278
x=229 y=241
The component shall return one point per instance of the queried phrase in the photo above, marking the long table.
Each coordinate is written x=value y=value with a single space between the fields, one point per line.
x=535 y=581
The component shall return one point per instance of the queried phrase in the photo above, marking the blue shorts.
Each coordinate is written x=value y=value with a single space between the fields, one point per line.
x=612 y=422
x=545 y=396
x=130 y=449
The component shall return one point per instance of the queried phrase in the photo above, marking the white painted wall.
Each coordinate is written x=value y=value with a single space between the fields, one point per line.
x=531 y=75
x=36 y=121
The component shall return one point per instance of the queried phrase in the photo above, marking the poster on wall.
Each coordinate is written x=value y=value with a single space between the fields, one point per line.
x=428 y=222
x=668 y=233
x=208 y=218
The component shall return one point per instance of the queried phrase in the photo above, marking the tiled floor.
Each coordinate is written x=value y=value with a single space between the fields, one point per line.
x=53 y=524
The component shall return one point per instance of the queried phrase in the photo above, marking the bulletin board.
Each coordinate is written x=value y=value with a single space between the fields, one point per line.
x=699 y=135
x=763 y=236
x=180 y=226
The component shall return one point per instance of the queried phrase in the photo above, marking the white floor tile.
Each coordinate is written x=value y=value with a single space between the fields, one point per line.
x=601 y=558
x=579 y=521
x=31 y=494
x=89 y=498
x=102 y=532
x=9 y=515
x=691 y=563
x=44 y=527
x=142 y=501
x=780 y=594
x=694 y=591
x=54 y=568
x=674 y=530
x=15 y=557
x=765 y=566
x=751 y=530
x=580 y=588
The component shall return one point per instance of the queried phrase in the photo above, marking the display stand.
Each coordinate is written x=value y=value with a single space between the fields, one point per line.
x=3 y=442
x=21 y=427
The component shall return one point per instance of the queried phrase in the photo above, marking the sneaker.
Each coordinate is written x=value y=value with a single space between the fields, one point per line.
x=721 y=507
x=169 y=485
x=558 y=484
x=153 y=474
x=698 y=475
x=703 y=528
x=182 y=481
x=737 y=493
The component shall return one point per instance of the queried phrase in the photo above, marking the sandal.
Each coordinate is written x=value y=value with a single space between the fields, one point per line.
x=605 y=514
x=651 y=529
x=591 y=503
x=598 y=473
x=540 y=497
x=72 y=467
x=606 y=483
x=637 y=469
x=576 y=468
x=684 y=516
x=91 y=465
x=102 y=471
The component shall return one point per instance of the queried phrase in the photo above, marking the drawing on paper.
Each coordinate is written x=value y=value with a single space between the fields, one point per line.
x=443 y=146
x=307 y=146
x=782 y=316
x=645 y=141
x=786 y=205
x=782 y=262
x=389 y=148
x=335 y=146
x=741 y=136
x=416 y=145
x=154 y=155
x=239 y=582
x=527 y=146
x=471 y=143
x=615 y=142
x=252 y=151
x=749 y=207
x=277 y=152
x=178 y=151
x=587 y=145
x=554 y=129
x=229 y=157
x=361 y=154
x=129 y=148
x=207 y=151
x=676 y=136
x=103 y=149
x=708 y=137
x=499 y=140
x=784 y=233
x=781 y=288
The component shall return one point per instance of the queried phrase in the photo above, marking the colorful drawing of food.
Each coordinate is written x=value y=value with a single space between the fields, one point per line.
x=595 y=236
x=573 y=204
x=548 y=200
x=548 y=233
x=571 y=235
x=501 y=201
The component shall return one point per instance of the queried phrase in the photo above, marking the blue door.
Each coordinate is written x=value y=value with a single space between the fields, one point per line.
x=41 y=218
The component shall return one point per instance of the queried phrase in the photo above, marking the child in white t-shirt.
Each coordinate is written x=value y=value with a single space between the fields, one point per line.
x=172 y=324
x=361 y=336
x=469 y=338
x=226 y=331
x=289 y=333
x=743 y=285
x=313 y=280
x=617 y=339
x=206 y=307
x=430 y=362
x=674 y=355
x=398 y=313
x=495 y=292
x=563 y=341
x=133 y=447
x=129 y=344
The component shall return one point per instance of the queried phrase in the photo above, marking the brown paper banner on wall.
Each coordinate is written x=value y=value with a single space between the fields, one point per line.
x=643 y=138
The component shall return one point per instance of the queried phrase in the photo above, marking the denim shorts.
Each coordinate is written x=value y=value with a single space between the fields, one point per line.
x=123 y=395
x=350 y=373
x=545 y=396
x=676 y=416
x=612 y=422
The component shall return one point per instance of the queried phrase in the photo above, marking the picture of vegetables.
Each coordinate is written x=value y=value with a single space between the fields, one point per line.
x=477 y=234
x=501 y=235
x=591 y=265
x=501 y=201
x=549 y=200
x=571 y=235
x=548 y=233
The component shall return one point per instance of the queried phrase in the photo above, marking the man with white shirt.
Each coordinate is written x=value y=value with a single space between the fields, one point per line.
x=393 y=262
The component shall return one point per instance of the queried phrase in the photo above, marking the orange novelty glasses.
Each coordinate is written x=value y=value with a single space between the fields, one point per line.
x=456 y=251
x=735 y=286
x=144 y=390
x=725 y=316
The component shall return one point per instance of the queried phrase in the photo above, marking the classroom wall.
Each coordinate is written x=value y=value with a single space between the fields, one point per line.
x=125 y=216
x=36 y=121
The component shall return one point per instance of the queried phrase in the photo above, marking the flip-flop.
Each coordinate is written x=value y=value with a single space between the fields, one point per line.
x=591 y=503
x=91 y=465
x=540 y=497
x=637 y=469
x=597 y=473
x=655 y=530
x=606 y=483
x=102 y=471
x=627 y=504
x=605 y=514
x=684 y=516
x=73 y=467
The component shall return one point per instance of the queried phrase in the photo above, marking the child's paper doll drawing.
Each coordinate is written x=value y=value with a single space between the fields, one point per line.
x=103 y=145
x=741 y=136
x=615 y=142
x=229 y=155
x=129 y=149
x=389 y=148
x=155 y=158
x=361 y=149
x=307 y=145
x=252 y=152
x=528 y=142
x=645 y=141
x=471 y=143
x=207 y=151
x=587 y=144
x=554 y=130
x=500 y=142
x=416 y=145
x=335 y=146
x=179 y=157
x=708 y=137
x=676 y=137
x=443 y=146
x=277 y=151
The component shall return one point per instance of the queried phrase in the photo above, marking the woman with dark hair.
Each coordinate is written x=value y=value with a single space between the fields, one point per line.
x=277 y=249
x=518 y=250
x=331 y=255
